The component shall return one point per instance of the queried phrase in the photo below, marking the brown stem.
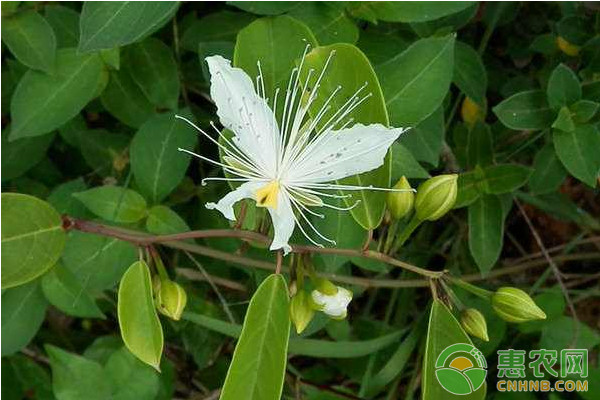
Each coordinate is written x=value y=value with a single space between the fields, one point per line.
x=279 y=262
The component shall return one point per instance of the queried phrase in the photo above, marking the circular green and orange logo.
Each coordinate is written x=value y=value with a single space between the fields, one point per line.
x=461 y=369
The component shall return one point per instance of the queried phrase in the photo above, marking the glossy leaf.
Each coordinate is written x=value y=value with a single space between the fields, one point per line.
x=259 y=360
x=548 y=172
x=108 y=24
x=30 y=39
x=416 y=81
x=164 y=221
x=425 y=140
x=504 y=178
x=130 y=378
x=479 y=146
x=370 y=211
x=64 y=291
x=563 y=87
x=404 y=164
x=23 y=312
x=265 y=7
x=97 y=262
x=114 y=203
x=444 y=330
x=328 y=21
x=418 y=11
x=152 y=66
x=525 y=110
x=578 y=151
x=125 y=100
x=43 y=102
x=32 y=238
x=218 y=27
x=470 y=74
x=64 y=22
x=14 y=164
x=140 y=327
x=157 y=165
x=75 y=377
x=486 y=231
x=265 y=37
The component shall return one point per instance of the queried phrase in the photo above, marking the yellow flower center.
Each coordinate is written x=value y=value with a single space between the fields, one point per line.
x=267 y=195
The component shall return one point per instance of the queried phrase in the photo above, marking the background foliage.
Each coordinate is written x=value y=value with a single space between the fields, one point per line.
x=506 y=94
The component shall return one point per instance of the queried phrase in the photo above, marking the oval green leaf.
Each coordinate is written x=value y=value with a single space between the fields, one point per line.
x=563 y=87
x=32 y=238
x=43 y=102
x=259 y=360
x=578 y=151
x=444 y=330
x=152 y=66
x=470 y=74
x=114 y=203
x=23 y=312
x=108 y=24
x=125 y=100
x=525 y=110
x=372 y=207
x=64 y=291
x=157 y=165
x=548 y=172
x=486 y=231
x=416 y=81
x=140 y=327
x=31 y=39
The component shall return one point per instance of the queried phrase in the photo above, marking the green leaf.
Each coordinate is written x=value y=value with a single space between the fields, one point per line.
x=578 y=151
x=64 y=291
x=548 y=172
x=486 y=231
x=98 y=262
x=328 y=21
x=425 y=140
x=14 y=164
x=564 y=121
x=219 y=27
x=403 y=163
x=125 y=100
x=417 y=80
x=470 y=74
x=152 y=66
x=32 y=238
x=259 y=360
x=504 y=178
x=369 y=212
x=23 y=312
x=418 y=11
x=114 y=203
x=130 y=378
x=64 y=22
x=563 y=87
x=157 y=165
x=42 y=102
x=584 y=110
x=306 y=347
x=468 y=188
x=140 y=327
x=265 y=7
x=525 y=110
x=164 y=221
x=265 y=37
x=479 y=146
x=75 y=377
x=108 y=24
x=33 y=378
x=31 y=39
x=444 y=330
x=101 y=149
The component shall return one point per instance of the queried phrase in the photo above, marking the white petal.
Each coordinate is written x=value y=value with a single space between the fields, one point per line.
x=283 y=223
x=244 y=112
x=335 y=305
x=244 y=191
x=343 y=153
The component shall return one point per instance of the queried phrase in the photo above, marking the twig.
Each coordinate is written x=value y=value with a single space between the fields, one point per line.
x=194 y=275
x=279 y=262
x=557 y=273
x=214 y=287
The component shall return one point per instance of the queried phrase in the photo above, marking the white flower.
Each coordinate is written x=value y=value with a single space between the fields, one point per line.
x=333 y=305
x=288 y=166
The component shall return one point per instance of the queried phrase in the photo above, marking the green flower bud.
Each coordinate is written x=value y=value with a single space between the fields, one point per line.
x=301 y=310
x=474 y=323
x=436 y=196
x=401 y=203
x=170 y=299
x=326 y=287
x=514 y=305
